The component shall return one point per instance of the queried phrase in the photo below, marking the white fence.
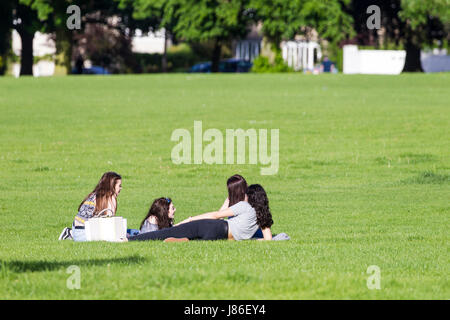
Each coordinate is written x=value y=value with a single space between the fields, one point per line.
x=373 y=61
x=301 y=55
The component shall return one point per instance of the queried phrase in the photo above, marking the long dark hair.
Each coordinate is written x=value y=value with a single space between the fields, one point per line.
x=237 y=187
x=104 y=191
x=160 y=210
x=257 y=198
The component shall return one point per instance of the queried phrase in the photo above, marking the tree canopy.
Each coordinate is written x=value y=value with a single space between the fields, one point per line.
x=409 y=23
x=282 y=20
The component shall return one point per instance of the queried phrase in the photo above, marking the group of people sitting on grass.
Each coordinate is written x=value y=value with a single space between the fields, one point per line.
x=246 y=209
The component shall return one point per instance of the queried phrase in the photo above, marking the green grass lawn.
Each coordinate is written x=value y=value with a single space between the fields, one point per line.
x=364 y=179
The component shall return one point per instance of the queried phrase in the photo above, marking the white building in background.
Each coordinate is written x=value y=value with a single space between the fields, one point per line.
x=250 y=47
x=247 y=49
x=149 y=43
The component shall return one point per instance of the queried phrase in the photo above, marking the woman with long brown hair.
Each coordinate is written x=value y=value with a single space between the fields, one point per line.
x=160 y=215
x=237 y=187
x=101 y=202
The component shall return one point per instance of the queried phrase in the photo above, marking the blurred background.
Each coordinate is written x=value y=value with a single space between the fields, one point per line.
x=59 y=37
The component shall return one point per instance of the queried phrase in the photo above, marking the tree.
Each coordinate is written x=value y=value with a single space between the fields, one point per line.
x=408 y=23
x=30 y=16
x=54 y=12
x=6 y=19
x=26 y=23
x=104 y=45
x=154 y=15
x=98 y=13
x=424 y=21
x=329 y=19
x=282 y=20
x=213 y=20
x=390 y=21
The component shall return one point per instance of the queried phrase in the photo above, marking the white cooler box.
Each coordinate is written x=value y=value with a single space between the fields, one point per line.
x=106 y=229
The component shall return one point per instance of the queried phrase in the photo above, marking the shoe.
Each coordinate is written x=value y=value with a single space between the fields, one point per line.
x=176 y=240
x=66 y=234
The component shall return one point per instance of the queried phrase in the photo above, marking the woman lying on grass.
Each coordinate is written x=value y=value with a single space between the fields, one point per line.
x=160 y=216
x=101 y=202
x=245 y=217
x=162 y=210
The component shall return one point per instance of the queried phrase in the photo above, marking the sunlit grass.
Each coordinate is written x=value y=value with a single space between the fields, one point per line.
x=363 y=180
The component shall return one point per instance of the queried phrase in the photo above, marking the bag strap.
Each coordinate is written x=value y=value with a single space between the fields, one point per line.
x=107 y=215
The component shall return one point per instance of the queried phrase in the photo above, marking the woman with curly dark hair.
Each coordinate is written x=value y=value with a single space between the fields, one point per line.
x=245 y=217
x=257 y=198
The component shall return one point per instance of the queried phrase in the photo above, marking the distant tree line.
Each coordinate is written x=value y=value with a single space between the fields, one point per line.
x=108 y=25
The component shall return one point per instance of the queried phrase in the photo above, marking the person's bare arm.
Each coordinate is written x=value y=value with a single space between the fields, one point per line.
x=267 y=234
x=225 y=204
x=112 y=205
x=210 y=215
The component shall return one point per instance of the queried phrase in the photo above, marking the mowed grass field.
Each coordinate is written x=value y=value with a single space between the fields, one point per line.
x=364 y=179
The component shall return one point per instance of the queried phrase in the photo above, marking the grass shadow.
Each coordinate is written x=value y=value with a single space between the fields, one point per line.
x=428 y=177
x=17 y=266
x=41 y=169
x=407 y=159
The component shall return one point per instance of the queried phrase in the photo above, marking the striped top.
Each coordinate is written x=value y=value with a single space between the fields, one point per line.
x=86 y=210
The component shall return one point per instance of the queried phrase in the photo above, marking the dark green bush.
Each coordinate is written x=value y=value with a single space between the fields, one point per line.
x=262 y=65
x=179 y=59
